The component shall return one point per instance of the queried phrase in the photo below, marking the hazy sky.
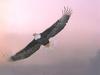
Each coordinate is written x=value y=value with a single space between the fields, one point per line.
x=80 y=39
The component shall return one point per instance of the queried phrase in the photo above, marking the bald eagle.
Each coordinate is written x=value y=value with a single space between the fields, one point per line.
x=43 y=38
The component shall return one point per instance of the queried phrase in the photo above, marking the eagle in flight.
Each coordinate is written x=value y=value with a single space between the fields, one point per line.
x=43 y=38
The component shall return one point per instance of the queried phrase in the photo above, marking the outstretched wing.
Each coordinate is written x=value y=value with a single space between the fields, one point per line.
x=32 y=47
x=58 y=25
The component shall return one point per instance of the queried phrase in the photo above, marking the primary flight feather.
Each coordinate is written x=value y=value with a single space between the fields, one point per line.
x=43 y=38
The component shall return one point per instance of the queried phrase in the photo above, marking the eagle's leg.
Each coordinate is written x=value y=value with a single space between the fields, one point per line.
x=47 y=43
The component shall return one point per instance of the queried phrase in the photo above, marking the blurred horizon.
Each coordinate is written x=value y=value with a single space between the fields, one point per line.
x=76 y=48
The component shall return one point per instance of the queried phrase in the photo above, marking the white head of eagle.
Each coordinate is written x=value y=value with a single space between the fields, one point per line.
x=36 y=36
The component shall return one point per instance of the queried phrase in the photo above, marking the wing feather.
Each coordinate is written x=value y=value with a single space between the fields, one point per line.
x=31 y=48
x=58 y=25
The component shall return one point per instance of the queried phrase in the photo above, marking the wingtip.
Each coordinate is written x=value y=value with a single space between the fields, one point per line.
x=67 y=11
x=11 y=59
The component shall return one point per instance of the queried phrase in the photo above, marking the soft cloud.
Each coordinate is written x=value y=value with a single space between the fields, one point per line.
x=70 y=51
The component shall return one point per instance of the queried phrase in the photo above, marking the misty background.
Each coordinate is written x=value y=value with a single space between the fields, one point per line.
x=74 y=51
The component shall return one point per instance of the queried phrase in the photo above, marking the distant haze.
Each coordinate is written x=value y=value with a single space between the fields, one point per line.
x=76 y=46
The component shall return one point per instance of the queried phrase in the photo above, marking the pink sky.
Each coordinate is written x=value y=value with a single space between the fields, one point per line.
x=21 y=18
